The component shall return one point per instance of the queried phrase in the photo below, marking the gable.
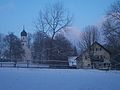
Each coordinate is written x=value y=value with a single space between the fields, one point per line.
x=94 y=47
x=98 y=46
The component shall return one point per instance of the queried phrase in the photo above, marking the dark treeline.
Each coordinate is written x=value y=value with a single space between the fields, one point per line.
x=40 y=46
x=42 y=50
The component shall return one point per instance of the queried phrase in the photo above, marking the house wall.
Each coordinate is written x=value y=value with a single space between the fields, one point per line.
x=86 y=60
x=102 y=52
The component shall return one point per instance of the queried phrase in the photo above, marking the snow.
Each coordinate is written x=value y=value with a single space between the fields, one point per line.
x=58 y=79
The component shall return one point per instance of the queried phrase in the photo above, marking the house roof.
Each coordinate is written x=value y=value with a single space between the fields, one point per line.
x=101 y=46
x=91 y=46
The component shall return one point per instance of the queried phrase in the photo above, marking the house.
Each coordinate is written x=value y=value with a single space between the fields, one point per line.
x=96 y=56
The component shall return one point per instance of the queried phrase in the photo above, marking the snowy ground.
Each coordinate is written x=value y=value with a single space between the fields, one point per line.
x=58 y=79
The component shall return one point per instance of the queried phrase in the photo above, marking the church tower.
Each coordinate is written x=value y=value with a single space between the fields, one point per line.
x=24 y=42
x=24 y=38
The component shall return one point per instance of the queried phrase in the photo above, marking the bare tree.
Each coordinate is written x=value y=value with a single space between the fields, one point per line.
x=112 y=23
x=114 y=11
x=89 y=36
x=51 y=20
x=111 y=28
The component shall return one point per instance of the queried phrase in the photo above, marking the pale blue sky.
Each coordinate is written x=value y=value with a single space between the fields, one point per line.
x=16 y=13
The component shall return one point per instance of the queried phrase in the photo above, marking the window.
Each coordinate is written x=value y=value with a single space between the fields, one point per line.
x=91 y=49
x=97 y=57
x=101 y=56
x=85 y=57
x=96 y=49
x=104 y=64
x=100 y=49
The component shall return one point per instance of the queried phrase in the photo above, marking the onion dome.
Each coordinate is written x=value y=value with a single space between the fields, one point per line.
x=23 y=33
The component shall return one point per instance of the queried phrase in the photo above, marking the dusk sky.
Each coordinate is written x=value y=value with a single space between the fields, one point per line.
x=16 y=13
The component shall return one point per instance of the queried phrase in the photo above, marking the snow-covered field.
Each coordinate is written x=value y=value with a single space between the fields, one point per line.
x=58 y=79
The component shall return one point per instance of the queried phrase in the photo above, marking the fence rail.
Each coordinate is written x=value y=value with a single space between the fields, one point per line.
x=22 y=65
x=37 y=64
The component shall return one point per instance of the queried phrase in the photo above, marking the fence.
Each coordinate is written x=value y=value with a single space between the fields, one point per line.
x=37 y=64
x=22 y=65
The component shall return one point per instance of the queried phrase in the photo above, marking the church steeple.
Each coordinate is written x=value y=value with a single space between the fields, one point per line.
x=24 y=43
x=24 y=37
x=23 y=33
